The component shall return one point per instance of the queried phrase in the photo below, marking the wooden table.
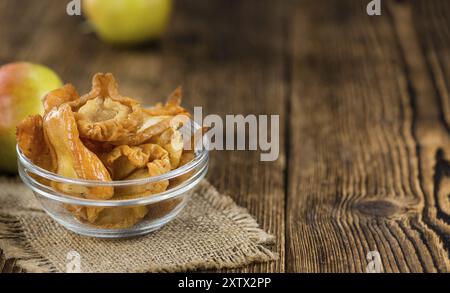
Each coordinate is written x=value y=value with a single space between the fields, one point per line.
x=364 y=104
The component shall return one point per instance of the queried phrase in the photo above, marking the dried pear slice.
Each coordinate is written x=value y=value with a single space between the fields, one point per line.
x=171 y=108
x=172 y=141
x=57 y=97
x=120 y=217
x=104 y=115
x=107 y=119
x=103 y=85
x=97 y=147
x=30 y=138
x=123 y=160
x=71 y=158
x=175 y=97
x=124 y=217
x=187 y=156
x=161 y=209
x=159 y=163
x=154 y=126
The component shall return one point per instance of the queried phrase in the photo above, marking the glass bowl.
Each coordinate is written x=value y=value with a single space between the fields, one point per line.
x=111 y=218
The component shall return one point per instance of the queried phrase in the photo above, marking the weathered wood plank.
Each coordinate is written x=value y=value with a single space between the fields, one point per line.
x=235 y=66
x=227 y=55
x=423 y=28
x=359 y=177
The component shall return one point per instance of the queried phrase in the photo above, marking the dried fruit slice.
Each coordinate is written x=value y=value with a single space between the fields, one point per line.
x=161 y=209
x=188 y=155
x=71 y=158
x=60 y=96
x=158 y=164
x=103 y=85
x=104 y=115
x=123 y=160
x=30 y=138
x=97 y=147
x=108 y=119
x=154 y=126
x=172 y=141
x=171 y=108
x=123 y=217
x=120 y=217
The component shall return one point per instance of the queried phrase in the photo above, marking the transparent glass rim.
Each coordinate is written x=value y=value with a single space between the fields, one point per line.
x=52 y=194
x=198 y=164
x=200 y=157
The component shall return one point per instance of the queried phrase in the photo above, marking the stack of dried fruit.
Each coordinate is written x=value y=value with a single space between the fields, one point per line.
x=105 y=136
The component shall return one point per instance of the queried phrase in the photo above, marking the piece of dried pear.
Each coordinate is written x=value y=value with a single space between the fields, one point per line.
x=124 y=217
x=57 y=97
x=73 y=160
x=104 y=115
x=30 y=138
x=123 y=160
x=172 y=141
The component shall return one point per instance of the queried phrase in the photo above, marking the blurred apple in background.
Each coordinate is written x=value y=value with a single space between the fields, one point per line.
x=22 y=85
x=128 y=22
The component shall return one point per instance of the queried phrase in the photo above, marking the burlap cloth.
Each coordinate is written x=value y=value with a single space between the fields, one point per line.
x=212 y=232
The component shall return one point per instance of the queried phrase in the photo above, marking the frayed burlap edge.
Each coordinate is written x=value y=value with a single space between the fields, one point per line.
x=15 y=244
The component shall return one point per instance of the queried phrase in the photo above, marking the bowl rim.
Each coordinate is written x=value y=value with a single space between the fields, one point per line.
x=200 y=156
x=114 y=183
x=199 y=164
x=174 y=192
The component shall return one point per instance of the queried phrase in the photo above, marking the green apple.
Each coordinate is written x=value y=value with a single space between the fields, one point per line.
x=128 y=21
x=22 y=85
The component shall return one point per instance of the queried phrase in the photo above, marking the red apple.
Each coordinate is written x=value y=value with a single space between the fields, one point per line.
x=22 y=85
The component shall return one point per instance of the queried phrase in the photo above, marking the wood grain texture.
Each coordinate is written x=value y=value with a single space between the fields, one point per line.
x=227 y=55
x=426 y=65
x=365 y=168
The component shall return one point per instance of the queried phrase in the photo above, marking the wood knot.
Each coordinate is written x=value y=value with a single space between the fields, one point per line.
x=380 y=208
